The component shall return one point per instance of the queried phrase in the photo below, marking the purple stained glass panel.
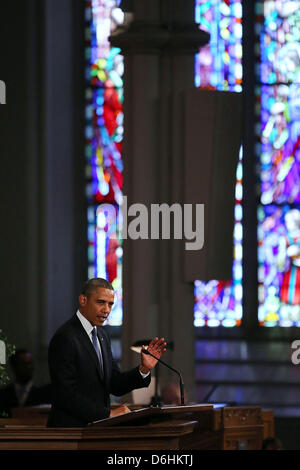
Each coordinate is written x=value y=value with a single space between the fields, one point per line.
x=278 y=155
x=279 y=265
x=279 y=137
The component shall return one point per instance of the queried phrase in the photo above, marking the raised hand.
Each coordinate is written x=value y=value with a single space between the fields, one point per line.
x=156 y=347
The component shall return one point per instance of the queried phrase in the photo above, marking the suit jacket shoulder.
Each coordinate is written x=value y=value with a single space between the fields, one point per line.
x=65 y=329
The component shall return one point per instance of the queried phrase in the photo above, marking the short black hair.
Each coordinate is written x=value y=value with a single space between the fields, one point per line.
x=92 y=284
x=14 y=358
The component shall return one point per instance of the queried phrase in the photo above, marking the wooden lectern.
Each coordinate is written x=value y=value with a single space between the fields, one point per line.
x=197 y=427
x=155 y=428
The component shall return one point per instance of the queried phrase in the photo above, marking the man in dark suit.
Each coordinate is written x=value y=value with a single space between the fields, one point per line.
x=22 y=391
x=82 y=369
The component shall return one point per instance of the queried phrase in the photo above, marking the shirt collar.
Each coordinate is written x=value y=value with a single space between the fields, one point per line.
x=25 y=388
x=85 y=323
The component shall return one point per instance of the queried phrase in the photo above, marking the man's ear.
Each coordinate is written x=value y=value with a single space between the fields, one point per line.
x=82 y=300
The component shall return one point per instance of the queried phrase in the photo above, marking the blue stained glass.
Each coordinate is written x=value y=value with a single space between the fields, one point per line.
x=215 y=63
x=278 y=90
x=219 y=66
x=104 y=137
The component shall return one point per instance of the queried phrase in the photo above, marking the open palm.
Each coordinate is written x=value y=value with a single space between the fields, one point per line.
x=156 y=347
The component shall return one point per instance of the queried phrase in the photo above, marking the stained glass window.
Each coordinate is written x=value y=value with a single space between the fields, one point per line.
x=103 y=145
x=219 y=63
x=219 y=66
x=278 y=155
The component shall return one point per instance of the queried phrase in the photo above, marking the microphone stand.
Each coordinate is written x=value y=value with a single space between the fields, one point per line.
x=145 y=351
x=156 y=399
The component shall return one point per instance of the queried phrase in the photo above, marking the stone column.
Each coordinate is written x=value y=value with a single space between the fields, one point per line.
x=159 y=47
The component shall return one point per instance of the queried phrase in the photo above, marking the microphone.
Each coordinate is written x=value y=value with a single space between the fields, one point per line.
x=145 y=351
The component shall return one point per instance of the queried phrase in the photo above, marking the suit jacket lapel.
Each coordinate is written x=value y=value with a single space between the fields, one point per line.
x=86 y=342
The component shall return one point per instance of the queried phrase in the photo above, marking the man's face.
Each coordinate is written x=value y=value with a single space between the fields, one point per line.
x=97 y=306
x=24 y=368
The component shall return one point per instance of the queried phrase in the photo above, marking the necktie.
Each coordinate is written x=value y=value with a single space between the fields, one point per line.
x=22 y=395
x=95 y=344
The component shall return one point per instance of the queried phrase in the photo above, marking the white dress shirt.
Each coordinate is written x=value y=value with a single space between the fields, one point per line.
x=22 y=391
x=88 y=327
